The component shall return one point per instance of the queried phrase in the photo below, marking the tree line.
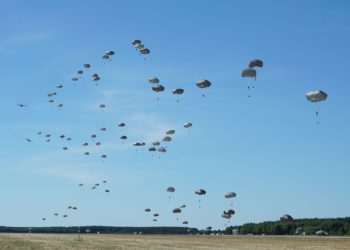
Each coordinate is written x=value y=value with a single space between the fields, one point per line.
x=333 y=226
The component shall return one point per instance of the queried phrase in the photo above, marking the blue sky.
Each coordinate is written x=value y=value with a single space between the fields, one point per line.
x=268 y=149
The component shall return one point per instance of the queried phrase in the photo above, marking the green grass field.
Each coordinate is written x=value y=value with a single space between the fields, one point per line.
x=64 y=241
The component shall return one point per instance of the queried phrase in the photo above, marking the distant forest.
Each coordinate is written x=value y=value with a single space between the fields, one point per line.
x=332 y=226
x=335 y=226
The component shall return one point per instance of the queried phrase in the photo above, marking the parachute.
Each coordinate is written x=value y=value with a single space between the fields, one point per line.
x=176 y=210
x=248 y=73
x=187 y=125
x=102 y=106
x=256 y=63
x=153 y=80
x=167 y=139
x=170 y=190
x=79 y=72
x=110 y=53
x=200 y=192
x=121 y=124
x=147 y=210
x=316 y=96
x=123 y=137
x=144 y=51
x=87 y=65
x=103 y=129
x=98 y=143
x=161 y=149
x=230 y=195
x=65 y=148
x=104 y=156
x=170 y=132
x=156 y=143
x=155 y=215
x=178 y=91
x=229 y=211
x=152 y=149
x=136 y=42
x=158 y=88
x=137 y=144
x=203 y=84
x=85 y=144
x=185 y=222
x=107 y=190
x=60 y=105
x=74 y=79
x=59 y=86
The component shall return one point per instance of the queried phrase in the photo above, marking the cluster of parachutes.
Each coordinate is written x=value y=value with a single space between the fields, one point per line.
x=250 y=72
x=226 y=214
x=64 y=215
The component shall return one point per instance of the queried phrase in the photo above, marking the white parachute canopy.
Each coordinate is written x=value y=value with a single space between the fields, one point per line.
x=316 y=96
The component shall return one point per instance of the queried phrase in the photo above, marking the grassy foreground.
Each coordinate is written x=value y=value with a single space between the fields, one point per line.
x=64 y=241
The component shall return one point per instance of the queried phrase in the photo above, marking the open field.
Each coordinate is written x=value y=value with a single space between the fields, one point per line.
x=64 y=241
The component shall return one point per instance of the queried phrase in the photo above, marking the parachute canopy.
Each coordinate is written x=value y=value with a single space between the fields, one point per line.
x=200 y=192
x=161 y=149
x=229 y=211
x=203 y=84
x=230 y=195
x=248 y=73
x=144 y=51
x=167 y=138
x=316 y=96
x=170 y=132
x=176 y=210
x=178 y=91
x=158 y=88
x=188 y=125
x=170 y=189
x=136 y=42
x=256 y=63
x=153 y=79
